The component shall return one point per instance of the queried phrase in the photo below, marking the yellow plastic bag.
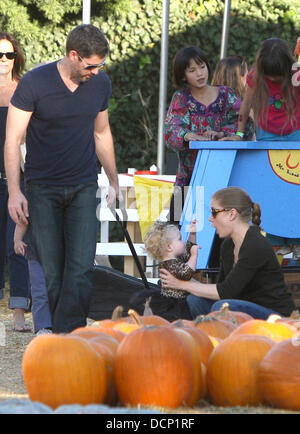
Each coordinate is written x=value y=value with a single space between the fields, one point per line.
x=152 y=196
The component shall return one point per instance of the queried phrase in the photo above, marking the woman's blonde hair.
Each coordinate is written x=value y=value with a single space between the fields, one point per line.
x=229 y=72
x=237 y=198
x=158 y=237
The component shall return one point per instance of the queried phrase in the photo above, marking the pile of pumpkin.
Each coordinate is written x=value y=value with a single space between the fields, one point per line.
x=225 y=357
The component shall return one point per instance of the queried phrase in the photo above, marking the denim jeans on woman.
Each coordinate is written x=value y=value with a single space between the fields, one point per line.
x=202 y=306
x=64 y=227
x=19 y=285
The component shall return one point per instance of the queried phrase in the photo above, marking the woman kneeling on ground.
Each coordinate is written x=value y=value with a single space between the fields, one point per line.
x=250 y=278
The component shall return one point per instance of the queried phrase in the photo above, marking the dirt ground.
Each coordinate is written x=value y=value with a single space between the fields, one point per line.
x=13 y=344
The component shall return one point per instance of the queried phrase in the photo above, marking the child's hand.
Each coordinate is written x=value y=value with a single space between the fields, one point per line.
x=20 y=247
x=193 y=226
x=194 y=250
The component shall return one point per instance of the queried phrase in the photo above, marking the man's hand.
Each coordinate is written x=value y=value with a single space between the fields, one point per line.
x=18 y=208
x=114 y=194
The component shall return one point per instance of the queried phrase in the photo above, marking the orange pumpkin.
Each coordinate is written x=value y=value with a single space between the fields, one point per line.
x=199 y=387
x=205 y=347
x=117 y=334
x=213 y=326
x=275 y=331
x=60 y=370
x=153 y=366
x=215 y=341
x=233 y=369
x=279 y=375
x=103 y=347
x=230 y=315
x=115 y=318
x=293 y=319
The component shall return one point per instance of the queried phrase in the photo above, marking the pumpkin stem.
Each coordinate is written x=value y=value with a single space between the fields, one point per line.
x=117 y=313
x=148 y=310
x=204 y=318
x=273 y=318
x=295 y=314
x=225 y=307
x=136 y=317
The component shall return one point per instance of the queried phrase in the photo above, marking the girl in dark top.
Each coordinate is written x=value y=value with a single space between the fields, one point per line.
x=250 y=278
x=11 y=68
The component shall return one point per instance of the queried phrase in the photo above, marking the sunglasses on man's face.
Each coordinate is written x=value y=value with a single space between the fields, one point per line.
x=89 y=66
x=9 y=55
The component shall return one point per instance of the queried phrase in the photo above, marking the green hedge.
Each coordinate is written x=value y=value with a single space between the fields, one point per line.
x=134 y=30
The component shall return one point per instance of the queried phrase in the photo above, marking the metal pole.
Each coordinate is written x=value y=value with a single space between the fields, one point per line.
x=86 y=11
x=225 y=29
x=163 y=87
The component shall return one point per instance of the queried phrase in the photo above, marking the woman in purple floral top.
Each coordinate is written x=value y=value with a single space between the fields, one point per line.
x=197 y=111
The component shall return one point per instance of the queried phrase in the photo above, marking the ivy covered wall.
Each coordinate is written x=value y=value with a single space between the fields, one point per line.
x=133 y=28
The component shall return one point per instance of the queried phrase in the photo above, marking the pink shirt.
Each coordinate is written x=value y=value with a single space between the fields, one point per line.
x=275 y=116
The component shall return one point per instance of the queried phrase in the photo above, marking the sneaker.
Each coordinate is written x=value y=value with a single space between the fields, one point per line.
x=44 y=332
x=284 y=250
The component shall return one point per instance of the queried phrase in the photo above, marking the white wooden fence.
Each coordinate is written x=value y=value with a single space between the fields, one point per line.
x=121 y=248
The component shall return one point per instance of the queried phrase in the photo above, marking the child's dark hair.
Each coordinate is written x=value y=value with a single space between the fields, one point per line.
x=182 y=61
x=229 y=72
x=274 y=59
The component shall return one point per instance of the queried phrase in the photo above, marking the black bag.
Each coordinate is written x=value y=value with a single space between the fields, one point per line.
x=113 y=288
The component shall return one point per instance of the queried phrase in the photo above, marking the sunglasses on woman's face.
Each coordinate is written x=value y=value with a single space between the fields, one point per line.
x=215 y=211
x=9 y=55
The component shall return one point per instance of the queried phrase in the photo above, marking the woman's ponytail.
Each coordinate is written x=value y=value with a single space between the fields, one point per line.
x=256 y=214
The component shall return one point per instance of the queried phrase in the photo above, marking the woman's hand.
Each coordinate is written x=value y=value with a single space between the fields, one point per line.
x=169 y=281
x=234 y=138
x=214 y=135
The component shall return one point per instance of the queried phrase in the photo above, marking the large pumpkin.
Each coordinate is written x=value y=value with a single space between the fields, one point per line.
x=153 y=366
x=60 y=370
x=214 y=326
x=279 y=375
x=233 y=368
x=104 y=347
x=85 y=331
x=199 y=386
x=230 y=315
x=117 y=316
x=205 y=346
x=275 y=331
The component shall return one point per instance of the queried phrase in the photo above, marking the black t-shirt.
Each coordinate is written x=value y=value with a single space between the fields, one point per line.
x=60 y=135
x=256 y=276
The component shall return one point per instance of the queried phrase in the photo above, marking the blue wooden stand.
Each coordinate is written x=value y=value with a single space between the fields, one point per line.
x=246 y=165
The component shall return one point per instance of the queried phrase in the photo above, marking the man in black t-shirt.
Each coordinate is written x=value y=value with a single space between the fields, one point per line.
x=63 y=108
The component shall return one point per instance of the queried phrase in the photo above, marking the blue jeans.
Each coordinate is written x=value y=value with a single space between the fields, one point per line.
x=202 y=306
x=17 y=265
x=64 y=227
x=40 y=304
